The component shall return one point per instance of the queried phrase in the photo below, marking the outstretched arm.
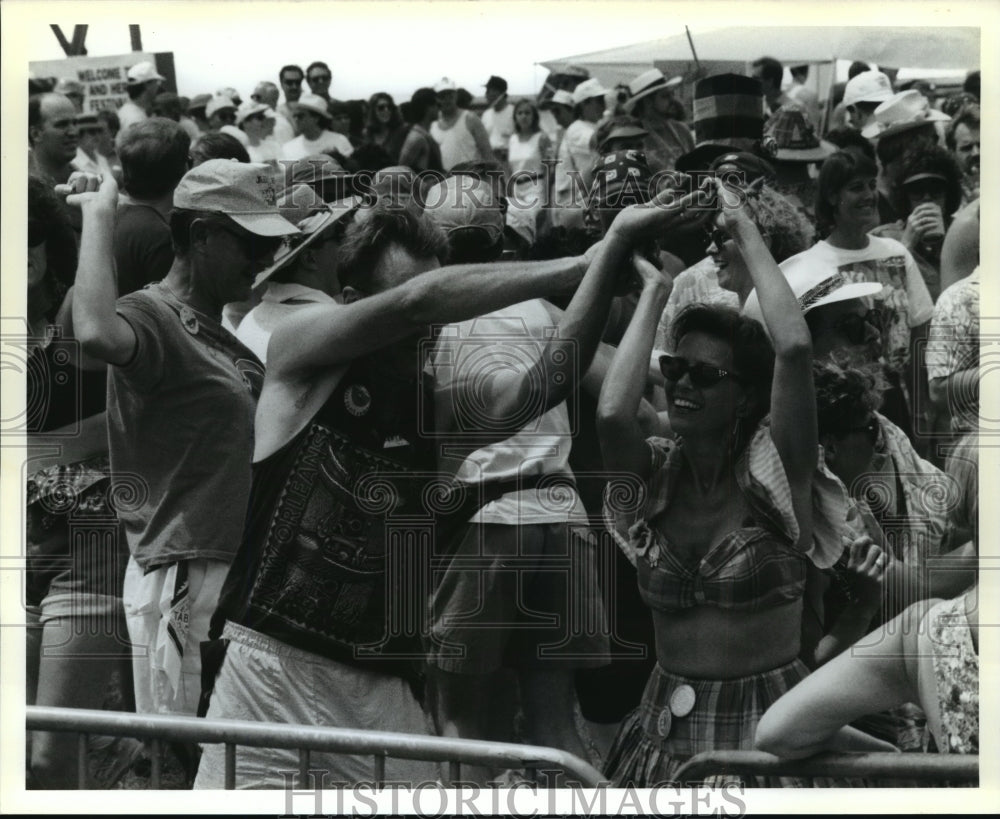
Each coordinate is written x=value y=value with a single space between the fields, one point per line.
x=102 y=333
x=812 y=716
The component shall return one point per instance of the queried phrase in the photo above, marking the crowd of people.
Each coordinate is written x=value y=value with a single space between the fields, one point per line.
x=593 y=420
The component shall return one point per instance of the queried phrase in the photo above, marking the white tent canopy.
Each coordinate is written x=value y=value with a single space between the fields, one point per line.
x=728 y=49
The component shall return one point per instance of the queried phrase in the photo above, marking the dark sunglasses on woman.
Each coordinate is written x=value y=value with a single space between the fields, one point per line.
x=701 y=375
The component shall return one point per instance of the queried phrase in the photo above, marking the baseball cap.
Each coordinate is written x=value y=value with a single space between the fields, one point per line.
x=621 y=172
x=242 y=191
x=199 y=101
x=868 y=86
x=67 y=86
x=562 y=98
x=218 y=103
x=311 y=228
x=588 y=89
x=143 y=72
x=464 y=202
x=445 y=84
x=814 y=285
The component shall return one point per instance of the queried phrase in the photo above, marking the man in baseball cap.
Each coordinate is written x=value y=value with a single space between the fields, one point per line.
x=575 y=157
x=864 y=93
x=143 y=84
x=179 y=383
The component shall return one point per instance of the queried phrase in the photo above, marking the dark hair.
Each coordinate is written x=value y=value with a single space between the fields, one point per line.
x=374 y=231
x=422 y=99
x=111 y=118
x=770 y=70
x=535 y=128
x=180 y=229
x=967 y=115
x=891 y=148
x=286 y=68
x=472 y=245
x=973 y=83
x=847 y=137
x=373 y=124
x=799 y=70
x=154 y=157
x=753 y=355
x=217 y=145
x=940 y=161
x=318 y=64
x=836 y=171
x=48 y=217
x=136 y=89
x=338 y=107
x=845 y=396
x=857 y=67
x=35 y=110
x=463 y=99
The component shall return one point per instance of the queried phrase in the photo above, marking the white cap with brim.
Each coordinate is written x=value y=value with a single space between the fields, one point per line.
x=219 y=103
x=244 y=192
x=814 y=285
x=588 y=89
x=312 y=227
x=143 y=72
x=314 y=104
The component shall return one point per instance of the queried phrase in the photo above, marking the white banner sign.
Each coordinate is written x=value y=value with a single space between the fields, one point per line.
x=103 y=78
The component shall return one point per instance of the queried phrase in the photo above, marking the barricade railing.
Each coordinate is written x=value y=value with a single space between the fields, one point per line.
x=305 y=739
x=929 y=768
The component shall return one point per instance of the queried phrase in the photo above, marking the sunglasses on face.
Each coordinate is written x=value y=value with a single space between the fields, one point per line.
x=717 y=237
x=701 y=375
x=288 y=81
x=257 y=247
x=383 y=106
x=856 y=327
x=320 y=78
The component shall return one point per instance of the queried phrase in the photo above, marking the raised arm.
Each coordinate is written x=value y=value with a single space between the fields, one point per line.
x=793 y=398
x=102 y=333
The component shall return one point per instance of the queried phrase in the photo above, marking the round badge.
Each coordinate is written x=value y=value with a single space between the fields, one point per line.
x=682 y=701
x=663 y=723
x=189 y=320
x=357 y=399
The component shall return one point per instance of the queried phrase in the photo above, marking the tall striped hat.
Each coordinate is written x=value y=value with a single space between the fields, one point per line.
x=728 y=113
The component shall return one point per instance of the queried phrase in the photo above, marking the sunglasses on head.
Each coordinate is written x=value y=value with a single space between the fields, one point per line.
x=701 y=375
x=855 y=327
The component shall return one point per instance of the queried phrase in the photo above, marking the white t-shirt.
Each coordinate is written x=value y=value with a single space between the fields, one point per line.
x=268 y=151
x=512 y=334
x=904 y=293
x=457 y=142
x=574 y=155
x=300 y=147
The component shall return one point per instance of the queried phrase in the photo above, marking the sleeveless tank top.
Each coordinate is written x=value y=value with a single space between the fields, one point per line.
x=525 y=155
x=457 y=143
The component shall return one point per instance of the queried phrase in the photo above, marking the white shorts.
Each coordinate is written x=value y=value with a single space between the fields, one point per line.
x=265 y=680
x=167 y=613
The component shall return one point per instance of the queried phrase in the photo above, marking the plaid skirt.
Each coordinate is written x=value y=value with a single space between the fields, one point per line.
x=654 y=742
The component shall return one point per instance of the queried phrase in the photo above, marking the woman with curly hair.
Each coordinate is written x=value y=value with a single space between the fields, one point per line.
x=722 y=277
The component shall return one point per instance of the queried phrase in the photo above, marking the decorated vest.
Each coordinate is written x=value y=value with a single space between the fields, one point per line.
x=342 y=526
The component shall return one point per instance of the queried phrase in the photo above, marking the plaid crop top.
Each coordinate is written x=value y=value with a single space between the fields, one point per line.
x=753 y=568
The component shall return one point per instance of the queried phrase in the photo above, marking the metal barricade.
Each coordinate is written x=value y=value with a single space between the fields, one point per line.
x=927 y=768
x=304 y=738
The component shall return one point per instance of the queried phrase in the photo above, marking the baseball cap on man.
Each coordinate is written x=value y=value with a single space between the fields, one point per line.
x=562 y=98
x=464 y=203
x=621 y=173
x=69 y=87
x=248 y=109
x=242 y=191
x=588 y=89
x=143 y=72
x=445 y=84
x=814 y=285
x=868 y=86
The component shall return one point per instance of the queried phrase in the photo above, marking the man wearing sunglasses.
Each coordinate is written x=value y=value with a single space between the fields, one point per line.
x=291 y=78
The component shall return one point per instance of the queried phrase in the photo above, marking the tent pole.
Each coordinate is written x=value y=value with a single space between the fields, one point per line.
x=693 y=52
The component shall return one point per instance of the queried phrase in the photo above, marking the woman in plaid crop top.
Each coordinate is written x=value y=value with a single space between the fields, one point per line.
x=724 y=522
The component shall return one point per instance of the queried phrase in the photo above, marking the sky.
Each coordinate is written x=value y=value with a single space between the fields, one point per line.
x=369 y=46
